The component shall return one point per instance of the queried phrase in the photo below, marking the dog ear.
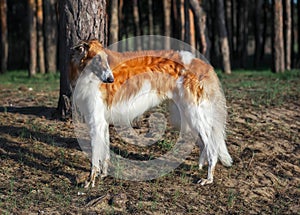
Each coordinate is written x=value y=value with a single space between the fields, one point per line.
x=79 y=52
x=81 y=48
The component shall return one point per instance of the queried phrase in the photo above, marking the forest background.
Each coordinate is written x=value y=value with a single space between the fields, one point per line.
x=231 y=34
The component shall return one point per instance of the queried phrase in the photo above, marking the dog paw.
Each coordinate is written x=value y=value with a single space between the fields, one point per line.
x=91 y=182
x=205 y=181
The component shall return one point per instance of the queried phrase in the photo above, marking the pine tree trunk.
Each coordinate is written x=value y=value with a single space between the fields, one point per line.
x=229 y=21
x=278 y=43
x=298 y=62
x=234 y=27
x=240 y=31
x=288 y=34
x=293 y=35
x=167 y=22
x=182 y=19
x=258 y=31
x=40 y=35
x=136 y=19
x=187 y=24
x=245 y=34
x=200 y=16
x=114 y=22
x=150 y=21
x=79 y=20
x=32 y=37
x=265 y=27
x=3 y=36
x=192 y=29
x=51 y=35
x=223 y=37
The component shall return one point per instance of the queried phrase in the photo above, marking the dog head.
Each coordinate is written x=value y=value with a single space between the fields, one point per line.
x=90 y=55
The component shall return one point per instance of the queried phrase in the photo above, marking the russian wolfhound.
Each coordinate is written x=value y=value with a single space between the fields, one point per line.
x=99 y=74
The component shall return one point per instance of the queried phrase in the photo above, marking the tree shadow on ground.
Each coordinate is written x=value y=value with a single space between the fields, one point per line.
x=49 y=113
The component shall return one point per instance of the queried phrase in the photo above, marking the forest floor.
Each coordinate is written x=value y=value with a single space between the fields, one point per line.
x=42 y=166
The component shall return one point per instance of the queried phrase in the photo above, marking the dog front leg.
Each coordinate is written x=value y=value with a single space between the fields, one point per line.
x=100 y=152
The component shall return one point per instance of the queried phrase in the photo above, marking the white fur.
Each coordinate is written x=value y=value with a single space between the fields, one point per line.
x=186 y=57
x=122 y=113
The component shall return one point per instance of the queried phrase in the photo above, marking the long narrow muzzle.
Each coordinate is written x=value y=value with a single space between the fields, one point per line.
x=101 y=69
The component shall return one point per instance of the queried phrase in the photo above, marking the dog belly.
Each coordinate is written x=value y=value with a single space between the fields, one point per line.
x=123 y=113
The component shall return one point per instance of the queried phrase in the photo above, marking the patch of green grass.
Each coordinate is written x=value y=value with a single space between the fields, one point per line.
x=261 y=88
x=165 y=144
x=43 y=82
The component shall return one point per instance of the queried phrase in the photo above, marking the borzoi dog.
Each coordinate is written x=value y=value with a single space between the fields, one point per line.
x=174 y=75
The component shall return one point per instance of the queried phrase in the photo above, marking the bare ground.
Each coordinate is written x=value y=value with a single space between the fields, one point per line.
x=42 y=166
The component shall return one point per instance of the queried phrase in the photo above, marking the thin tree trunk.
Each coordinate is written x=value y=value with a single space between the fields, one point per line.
x=228 y=6
x=240 y=31
x=298 y=62
x=150 y=21
x=4 y=39
x=175 y=19
x=192 y=29
x=245 y=34
x=265 y=27
x=278 y=44
x=121 y=23
x=214 y=52
x=32 y=37
x=187 y=34
x=114 y=22
x=167 y=22
x=79 y=20
x=182 y=19
x=51 y=35
x=293 y=35
x=200 y=16
x=223 y=37
x=40 y=35
x=234 y=27
x=136 y=19
x=288 y=34
x=258 y=31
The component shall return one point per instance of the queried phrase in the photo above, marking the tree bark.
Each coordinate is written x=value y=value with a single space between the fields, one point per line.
x=32 y=37
x=182 y=19
x=265 y=27
x=136 y=19
x=187 y=24
x=114 y=22
x=4 y=39
x=150 y=25
x=278 y=43
x=229 y=22
x=223 y=38
x=293 y=55
x=245 y=34
x=51 y=35
x=167 y=22
x=288 y=34
x=298 y=62
x=192 y=29
x=40 y=36
x=79 y=20
x=201 y=24
x=242 y=32
x=258 y=31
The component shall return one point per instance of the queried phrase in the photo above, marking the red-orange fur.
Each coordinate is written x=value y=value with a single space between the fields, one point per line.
x=147 y=65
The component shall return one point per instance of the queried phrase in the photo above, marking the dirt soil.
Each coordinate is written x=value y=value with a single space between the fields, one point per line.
x=43 y=168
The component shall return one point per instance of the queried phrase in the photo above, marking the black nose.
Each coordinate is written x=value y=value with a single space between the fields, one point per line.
x=110 y=80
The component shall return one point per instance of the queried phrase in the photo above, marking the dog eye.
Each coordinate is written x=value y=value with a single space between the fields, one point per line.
x=80 y=49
